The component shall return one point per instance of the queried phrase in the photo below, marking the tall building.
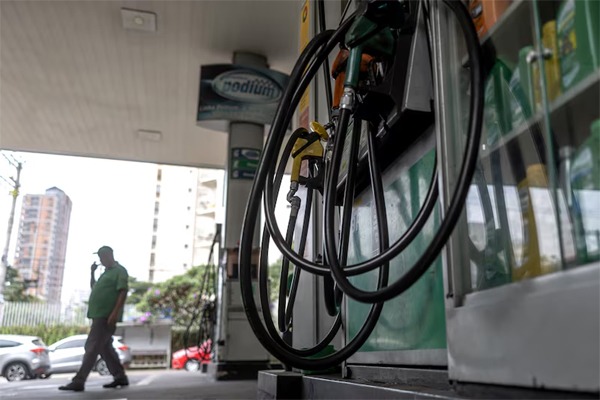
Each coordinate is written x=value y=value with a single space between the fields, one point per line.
x=42 y=242
x=209 y=212
x=188 y=203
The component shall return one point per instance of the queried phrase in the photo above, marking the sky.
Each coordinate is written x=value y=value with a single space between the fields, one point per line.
x=113 y=204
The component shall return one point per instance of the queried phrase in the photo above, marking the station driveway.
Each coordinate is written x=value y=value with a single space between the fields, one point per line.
x=143 y=385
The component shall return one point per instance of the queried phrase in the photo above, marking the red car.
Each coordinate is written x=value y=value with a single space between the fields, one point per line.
x=192 y=357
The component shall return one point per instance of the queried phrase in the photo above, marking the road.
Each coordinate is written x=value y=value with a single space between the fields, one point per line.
x=143 y=385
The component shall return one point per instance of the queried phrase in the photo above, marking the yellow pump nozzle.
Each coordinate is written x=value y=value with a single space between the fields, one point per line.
x=312 y=150
x=319 y=129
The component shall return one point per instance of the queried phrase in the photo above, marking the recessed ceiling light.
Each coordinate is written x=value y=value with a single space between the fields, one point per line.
x=153 y=136
x=138 y=20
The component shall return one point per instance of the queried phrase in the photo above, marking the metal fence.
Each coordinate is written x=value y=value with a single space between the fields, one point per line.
x=31 y=314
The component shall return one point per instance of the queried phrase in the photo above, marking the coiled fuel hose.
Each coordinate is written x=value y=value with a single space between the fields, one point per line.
x=267 y=181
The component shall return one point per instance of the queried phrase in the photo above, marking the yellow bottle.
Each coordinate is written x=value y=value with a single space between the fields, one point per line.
x=534 y=193
x=552 y=65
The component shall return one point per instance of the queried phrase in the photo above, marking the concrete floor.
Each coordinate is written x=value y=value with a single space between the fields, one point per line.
x=143 y=385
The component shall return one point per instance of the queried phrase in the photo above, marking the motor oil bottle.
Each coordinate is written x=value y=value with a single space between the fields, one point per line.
x=552 y=64
x=521 y=90
x=485 y=13
x=578 y=35
x=538 y=224
x=497 y=117
x=565 y=197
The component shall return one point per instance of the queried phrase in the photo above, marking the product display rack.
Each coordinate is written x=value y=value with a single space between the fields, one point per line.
x=522 y=303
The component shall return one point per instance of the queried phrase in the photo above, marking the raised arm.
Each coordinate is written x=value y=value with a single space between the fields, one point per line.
x=93 y=274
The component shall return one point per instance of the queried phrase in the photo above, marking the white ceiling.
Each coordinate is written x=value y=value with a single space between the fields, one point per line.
x=74 y=81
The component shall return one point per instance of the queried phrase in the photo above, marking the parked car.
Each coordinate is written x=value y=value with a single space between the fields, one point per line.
x=66 y=355
x=23 y=357
x=193 y=357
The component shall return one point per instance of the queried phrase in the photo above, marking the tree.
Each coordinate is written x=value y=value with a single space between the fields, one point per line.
x=274 y=274
x=180 y=297
x=137 y=290
x=15 y=287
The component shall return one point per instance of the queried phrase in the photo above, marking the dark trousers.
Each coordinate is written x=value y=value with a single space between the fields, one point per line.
x=99 y=342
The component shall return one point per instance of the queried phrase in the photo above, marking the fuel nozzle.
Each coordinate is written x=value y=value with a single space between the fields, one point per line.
x=338 y=72
x=308 y=147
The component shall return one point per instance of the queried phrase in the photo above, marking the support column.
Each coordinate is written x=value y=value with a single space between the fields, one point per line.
x=238 y=354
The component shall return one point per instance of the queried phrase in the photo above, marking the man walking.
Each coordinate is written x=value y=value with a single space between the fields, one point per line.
x=105 y=309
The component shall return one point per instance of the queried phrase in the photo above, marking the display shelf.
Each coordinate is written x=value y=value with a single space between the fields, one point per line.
x=577 y=105
x=531 y=124
x=540 y=332
x=539 y=285
x=572 y=113
x=503 y=32
x=518 y=13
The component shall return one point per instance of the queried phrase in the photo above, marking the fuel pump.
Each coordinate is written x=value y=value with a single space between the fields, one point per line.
x=375 y=72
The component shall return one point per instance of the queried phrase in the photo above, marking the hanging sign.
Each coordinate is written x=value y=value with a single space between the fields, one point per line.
x=230 y=92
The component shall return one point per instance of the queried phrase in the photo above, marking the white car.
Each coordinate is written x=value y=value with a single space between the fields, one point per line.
x=66 y=355
x=23 y=357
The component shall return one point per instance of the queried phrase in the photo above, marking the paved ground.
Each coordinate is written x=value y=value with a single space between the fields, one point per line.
x=150 y=384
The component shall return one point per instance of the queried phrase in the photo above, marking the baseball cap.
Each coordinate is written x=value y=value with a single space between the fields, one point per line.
x=104 y=250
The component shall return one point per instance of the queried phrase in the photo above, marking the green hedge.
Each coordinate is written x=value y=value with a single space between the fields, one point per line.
x=51 y=334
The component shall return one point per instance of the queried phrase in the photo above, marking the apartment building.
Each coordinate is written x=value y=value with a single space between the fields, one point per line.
x=42 y=242
x=188 y=204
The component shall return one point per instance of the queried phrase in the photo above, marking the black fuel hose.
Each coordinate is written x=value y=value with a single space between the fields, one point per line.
x=290 y=357
x=395 y=249
x=298 y=260
x=283 y=116
x=263 y=273
x=431 y=198
x=277 y=346
x=455 y=207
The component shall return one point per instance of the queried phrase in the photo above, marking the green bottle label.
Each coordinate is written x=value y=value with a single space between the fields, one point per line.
x=567 y=44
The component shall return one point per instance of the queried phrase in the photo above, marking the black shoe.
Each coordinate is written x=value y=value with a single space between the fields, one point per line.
x=116 y=383
x=76 y=387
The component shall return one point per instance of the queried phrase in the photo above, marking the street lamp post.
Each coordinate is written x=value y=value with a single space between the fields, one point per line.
x=16 y=184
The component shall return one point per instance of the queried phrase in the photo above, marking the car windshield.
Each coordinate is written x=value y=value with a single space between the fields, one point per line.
x=39 y=342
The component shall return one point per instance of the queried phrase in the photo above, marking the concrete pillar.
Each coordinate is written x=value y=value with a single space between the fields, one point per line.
x=239 y=355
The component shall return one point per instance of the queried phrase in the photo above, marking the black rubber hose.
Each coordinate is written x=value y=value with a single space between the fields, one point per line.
x=361 y=267
x=283 y=276
x=263 y=274
x=348 y=191
x=273 y=346
x=274 y=141
x=377 y=261
x=247 y=230
x=456 y=204
x=329 y=296
x=301 y=247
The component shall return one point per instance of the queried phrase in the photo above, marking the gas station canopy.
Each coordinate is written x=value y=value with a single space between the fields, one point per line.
x=119 y=79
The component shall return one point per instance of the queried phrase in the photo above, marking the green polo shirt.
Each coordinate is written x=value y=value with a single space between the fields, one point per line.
x=106 y=291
